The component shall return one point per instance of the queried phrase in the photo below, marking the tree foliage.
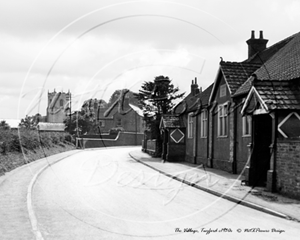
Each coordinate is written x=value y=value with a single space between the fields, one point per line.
x=78 y=123
x=156 y=98
x=30 y=122
x=117 y=93
x=4 y=125
x=90 y=108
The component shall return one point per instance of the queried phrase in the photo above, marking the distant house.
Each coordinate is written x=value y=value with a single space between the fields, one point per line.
x=194 y=112
x=122 y=114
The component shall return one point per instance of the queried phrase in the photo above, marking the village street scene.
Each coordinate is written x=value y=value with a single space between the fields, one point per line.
x=150 y=119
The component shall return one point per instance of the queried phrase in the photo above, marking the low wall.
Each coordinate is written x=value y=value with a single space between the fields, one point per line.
x=122 y=139
x=288 y=168
x=102 y=136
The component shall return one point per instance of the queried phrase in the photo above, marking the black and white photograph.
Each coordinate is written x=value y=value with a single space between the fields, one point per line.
x=149 y=119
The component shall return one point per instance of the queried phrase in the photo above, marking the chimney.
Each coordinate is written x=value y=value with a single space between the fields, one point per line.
x=194 y=87
x=256 y=45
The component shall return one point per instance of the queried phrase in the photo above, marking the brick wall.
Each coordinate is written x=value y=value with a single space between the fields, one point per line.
x=288 y=167
x=123 y=139
x=222 y=164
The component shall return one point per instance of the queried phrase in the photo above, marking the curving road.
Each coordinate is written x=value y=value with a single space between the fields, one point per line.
x=104 y=194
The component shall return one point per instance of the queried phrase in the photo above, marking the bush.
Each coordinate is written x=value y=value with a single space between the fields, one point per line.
x=14 y=140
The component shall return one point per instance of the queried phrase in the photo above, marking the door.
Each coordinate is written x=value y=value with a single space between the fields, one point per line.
x=165 y=136
x=262 y=132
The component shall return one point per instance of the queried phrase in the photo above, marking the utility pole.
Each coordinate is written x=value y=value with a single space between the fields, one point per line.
x=70 y=112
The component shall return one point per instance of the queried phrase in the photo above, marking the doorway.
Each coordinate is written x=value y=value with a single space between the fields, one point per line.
x=262 y=139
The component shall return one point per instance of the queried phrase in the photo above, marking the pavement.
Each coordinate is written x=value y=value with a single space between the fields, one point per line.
x=223 y=184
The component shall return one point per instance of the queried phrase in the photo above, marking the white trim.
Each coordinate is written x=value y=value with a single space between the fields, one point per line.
x=284 y=120
x=261 y=101
x=254 y=91
x=224 y=116
x=247 y=100
x=259 y=111
x=203 y=128
x=190 y=124
x=177 y=129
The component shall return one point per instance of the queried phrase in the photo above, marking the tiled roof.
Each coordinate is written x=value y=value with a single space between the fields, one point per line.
x=186 y=104
x=204 y=96
x=284 y=64
x=245 y=87
x=280 y=61
x=191 y=102
x=265 y=55
x=279 y=94
x=236 y=73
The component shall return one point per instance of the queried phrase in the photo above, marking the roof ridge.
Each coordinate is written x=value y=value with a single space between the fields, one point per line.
x=242 y=63
x=282 y=49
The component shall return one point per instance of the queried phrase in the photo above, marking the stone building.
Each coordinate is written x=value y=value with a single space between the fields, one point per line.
x=58 y=102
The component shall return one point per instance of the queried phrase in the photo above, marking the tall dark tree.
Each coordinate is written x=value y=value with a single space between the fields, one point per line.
x=4 y=125
x=157 y=98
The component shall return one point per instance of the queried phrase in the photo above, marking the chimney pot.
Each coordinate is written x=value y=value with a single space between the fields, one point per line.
x=261 y=34
x=256 y=45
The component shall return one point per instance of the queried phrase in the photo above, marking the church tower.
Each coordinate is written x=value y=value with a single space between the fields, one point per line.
x=58 y=102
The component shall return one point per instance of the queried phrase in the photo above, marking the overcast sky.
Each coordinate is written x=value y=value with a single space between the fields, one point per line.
x=94 y=47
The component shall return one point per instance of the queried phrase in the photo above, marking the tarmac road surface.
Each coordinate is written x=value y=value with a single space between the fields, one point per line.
x=105 y=194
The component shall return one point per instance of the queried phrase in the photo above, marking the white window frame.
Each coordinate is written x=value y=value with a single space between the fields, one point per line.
x=203 y=120
x=247 y=125
x=190 y=123
x=223 y=120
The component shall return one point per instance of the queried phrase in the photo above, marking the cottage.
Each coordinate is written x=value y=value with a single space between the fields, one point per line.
x=194 y=113
x=248 y=120
x=122 y=114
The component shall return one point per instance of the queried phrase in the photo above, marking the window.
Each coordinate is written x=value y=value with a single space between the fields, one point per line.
x=246 y=125
x=223 y=90
x=102 y=123
x=190 y=125
x=203 y=119
x=222 y=120
x=119 y=122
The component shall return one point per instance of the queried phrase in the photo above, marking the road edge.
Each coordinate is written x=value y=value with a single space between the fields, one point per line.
x=221 y=195
x=31 y=213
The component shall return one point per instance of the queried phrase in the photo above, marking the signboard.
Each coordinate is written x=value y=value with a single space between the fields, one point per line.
x=177 y=135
